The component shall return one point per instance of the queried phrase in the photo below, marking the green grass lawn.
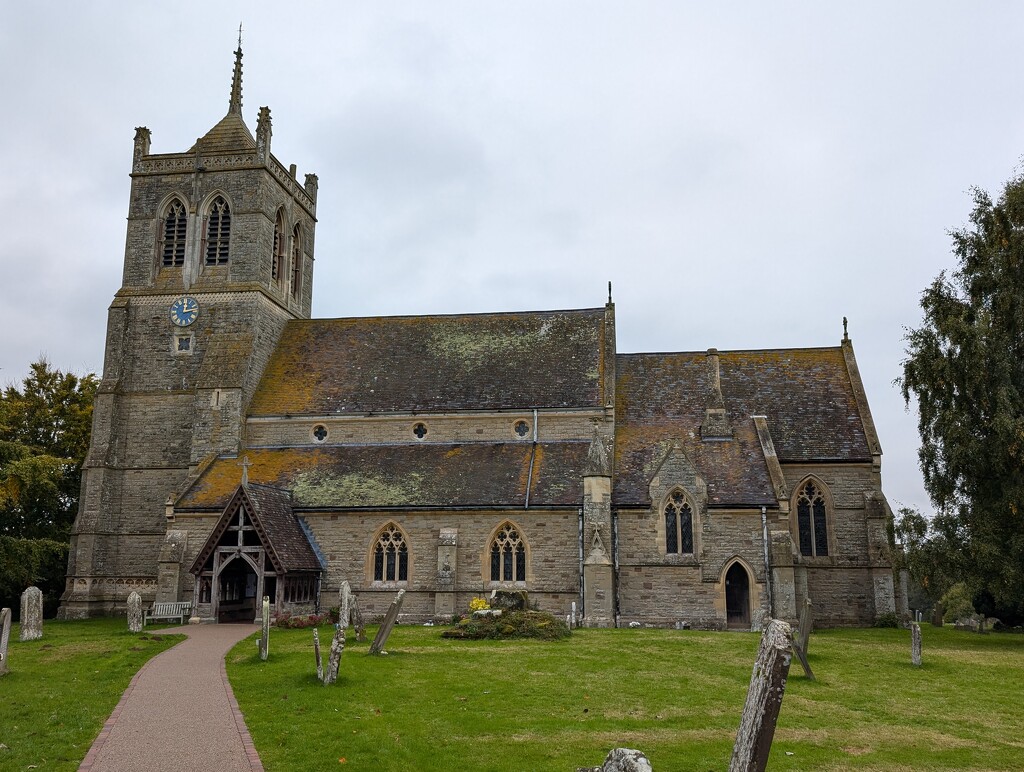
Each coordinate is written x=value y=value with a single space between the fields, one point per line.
x=435 y=704
x=62 y=688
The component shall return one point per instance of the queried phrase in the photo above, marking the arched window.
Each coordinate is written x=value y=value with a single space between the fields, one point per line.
x=296 y=261
x=218 y=232
x=390 y=556
x=811 y=520
x=174 y=235
x=508 y=555
x=678 y=525
x=277 y=262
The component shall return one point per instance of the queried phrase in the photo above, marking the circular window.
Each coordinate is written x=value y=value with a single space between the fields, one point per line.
x=420 y=430
x=319 y=432
x=522 y=428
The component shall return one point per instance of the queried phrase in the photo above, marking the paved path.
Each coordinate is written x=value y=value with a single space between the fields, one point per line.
x=179 y=713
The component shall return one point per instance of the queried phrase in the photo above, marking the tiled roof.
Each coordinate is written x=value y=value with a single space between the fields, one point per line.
x=806 y=394
x=427 y=475
x=230 y=134
x=270 y=511
x=551 y=359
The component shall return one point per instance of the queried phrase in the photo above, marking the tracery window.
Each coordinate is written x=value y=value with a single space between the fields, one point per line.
x=678 y=525
x=174 y=235
x=390 y=556
x=296 y=261
x=812 y=520
x=277 y=262
x=508 y=555
x=218 y=232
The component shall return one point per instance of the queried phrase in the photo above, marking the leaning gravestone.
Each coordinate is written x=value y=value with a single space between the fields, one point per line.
x=265 y=632
x=764 y=699
x=135 y=613
x=5 y=637
x=31 y=614
x=389 y=622
x=319 y=659
x=357 y=619
x=803 y=637
x=915 y=644
x=334 y=657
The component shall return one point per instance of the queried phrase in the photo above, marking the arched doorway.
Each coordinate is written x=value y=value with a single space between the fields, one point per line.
x=737 y=597
x=237 y=587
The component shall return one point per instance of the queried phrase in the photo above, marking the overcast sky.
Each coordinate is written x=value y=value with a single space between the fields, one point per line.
x=745 y=173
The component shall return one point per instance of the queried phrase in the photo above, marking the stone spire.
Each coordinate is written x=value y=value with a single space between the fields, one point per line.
x=235 y=105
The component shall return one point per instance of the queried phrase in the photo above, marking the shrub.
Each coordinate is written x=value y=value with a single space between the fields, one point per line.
x=957 y=603
x=887 y=620
x=516 y=624
x=26 y=562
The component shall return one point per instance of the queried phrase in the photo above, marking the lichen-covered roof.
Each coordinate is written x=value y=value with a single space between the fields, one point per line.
x=427 y=475
x=229 y=135
x=551 y=359
x=806 y=394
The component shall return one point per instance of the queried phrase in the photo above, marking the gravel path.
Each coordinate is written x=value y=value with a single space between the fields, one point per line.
x=179 y=713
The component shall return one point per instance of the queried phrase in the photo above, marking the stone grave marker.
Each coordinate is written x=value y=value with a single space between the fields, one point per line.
x=265 y=632
x=803 y=637
x=357 y=619
x=134 y=613
x=345 y=604
x=622 y=760
x=319 y=659
x=389 y=622
x=764 y=699
x=5 y=637
x=915 y=644
x=937 y=613
x=334 y=657
x=31 y=614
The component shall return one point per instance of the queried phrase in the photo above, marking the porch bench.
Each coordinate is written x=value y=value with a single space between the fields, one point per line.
x=180 y=610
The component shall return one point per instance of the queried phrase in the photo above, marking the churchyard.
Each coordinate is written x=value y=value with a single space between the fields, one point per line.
x=437 y=704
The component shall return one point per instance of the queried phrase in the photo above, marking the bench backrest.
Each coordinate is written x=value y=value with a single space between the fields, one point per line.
x=171 y=608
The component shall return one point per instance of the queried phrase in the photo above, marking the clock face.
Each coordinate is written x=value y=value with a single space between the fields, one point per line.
x=184 y=311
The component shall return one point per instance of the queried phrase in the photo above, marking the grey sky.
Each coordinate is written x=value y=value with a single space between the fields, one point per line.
x=745 y=173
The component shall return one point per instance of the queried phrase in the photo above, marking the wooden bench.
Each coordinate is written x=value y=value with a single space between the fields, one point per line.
x=180 y=610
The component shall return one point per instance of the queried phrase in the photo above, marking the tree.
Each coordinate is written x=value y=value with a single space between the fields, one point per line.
x=44 y=436
x=965 y=367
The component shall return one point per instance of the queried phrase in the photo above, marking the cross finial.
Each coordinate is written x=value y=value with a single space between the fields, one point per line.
x=245 y=464
x=609 y=293
x=846 y=335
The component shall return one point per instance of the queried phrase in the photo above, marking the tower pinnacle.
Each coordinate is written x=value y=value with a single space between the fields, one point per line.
x=235 y=105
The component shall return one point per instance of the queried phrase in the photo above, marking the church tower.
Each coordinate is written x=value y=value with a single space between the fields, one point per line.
x=218 y=257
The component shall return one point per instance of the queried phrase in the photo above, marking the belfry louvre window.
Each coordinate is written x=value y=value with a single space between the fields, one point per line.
x=296 y=261
x=390 y=556
x=678 y=525
x=174 y=235
x=812 y=520
x=508 y=556
x=218 y=232
x=277 y=264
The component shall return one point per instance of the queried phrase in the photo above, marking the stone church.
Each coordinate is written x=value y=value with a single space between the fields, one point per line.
x=242 y=449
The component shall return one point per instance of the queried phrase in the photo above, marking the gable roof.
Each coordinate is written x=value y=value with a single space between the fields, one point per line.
x=427 y=475
x=546 y=359
x=806 y=394
x=270 y=511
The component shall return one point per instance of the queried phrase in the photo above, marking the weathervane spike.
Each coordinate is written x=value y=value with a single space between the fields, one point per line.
x=609 y=292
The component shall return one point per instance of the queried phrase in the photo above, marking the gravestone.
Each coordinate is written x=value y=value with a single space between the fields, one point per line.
x=764 y=699
x=803 y=637
x=915 y=644
x=345 y=604
x=319 y=659
x=334 y=657
x=134 y=613
x=265 y=632
x=937 y=613
x=5 y=637
x=357 y=619
x=31 y=614
x=389 y=622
